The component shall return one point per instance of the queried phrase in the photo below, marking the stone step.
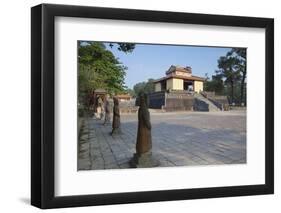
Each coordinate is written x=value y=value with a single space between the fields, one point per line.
x=204 y=101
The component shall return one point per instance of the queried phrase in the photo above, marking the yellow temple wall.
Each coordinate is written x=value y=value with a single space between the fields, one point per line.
x=169 y=84
x=158 y=87
x=174 y=84
x=198 y=86
x=177 y=84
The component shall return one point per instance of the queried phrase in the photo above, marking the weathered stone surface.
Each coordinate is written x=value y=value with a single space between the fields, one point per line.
x=143 y=157
x=179 y=139
x=171 y=100
x=145 y=160
x=144 y=143
x=116 y=127
x=107 y=113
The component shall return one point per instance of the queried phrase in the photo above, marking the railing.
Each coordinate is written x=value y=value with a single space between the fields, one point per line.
x=219 y=101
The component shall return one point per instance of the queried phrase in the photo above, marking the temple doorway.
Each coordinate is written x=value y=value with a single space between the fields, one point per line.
x=188 y=85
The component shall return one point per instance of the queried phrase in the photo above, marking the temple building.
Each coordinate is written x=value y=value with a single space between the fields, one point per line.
x=179 y=90
x=181 y=79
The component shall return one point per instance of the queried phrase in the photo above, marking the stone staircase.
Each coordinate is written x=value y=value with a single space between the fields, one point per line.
x=203 y=104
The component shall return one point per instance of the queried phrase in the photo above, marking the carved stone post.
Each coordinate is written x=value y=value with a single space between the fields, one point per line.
x=143 y=156
x=116 y=117
x=107 y=113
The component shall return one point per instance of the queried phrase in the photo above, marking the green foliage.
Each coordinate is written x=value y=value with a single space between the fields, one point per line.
x=131 y=92
x=149 y=87
x=240 y=55
x=139 y=87
x=98 y=68
x=228 y=68
x=125 y=47
x=216 y=84
x=146 y=87
x=230 y=77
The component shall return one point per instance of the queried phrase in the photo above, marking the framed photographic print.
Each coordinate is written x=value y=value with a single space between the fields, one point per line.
x=140 y=106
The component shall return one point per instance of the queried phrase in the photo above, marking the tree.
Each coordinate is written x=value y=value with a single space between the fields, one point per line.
x=215 y=84
x=228 y=68
x=131 y=92
x=98 y=68
x=139 y=87
x=125 y=47
x=149 y=86
x=240 y=54
x=146 y=87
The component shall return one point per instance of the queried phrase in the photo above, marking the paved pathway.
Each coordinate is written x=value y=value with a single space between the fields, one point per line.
x=178 y=139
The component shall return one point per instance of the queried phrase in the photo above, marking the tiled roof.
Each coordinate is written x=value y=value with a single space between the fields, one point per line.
x=178 y=69
x=193 y=77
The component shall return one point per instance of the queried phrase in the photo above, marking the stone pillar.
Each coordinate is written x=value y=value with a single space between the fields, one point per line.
x=107 y=112
x=116 y=127
x=143 y=157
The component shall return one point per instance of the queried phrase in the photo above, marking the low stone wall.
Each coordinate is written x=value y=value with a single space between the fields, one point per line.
x=207 y=94
x=171 y=100
x=156 y=100
x=220 y=101
x=125 y=106
x=239 y=108
x=182 y=104
x=200 y=105
x=133 y=109
x=178 y=101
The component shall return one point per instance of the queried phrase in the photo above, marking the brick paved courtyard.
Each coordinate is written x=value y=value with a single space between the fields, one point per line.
x=178 y=139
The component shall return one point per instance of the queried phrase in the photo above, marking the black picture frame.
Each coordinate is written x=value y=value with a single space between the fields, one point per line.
x=43 y=102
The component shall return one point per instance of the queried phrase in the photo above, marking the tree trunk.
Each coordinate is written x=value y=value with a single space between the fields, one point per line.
x=232 y=92
x=242 y=87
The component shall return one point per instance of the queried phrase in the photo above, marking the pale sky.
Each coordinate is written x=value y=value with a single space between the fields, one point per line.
x=151 y=61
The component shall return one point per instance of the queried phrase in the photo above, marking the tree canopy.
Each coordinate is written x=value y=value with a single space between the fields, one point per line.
x=240 y=54
x=99 y=68
x=215 y=84
x=145 y=86
x=231 y=76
